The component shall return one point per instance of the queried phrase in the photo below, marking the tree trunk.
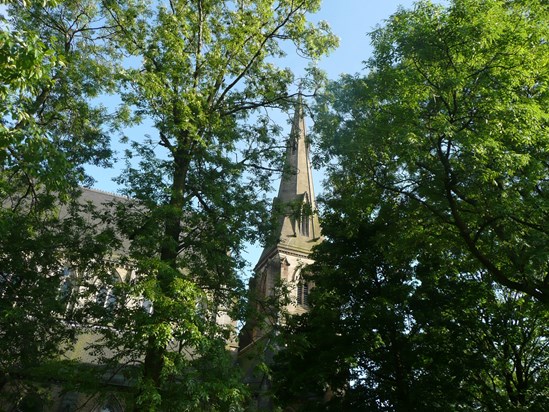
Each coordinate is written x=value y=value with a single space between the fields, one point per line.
x=154 y=357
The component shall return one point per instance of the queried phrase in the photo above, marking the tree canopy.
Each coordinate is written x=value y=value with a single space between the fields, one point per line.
x=431 y=287
x=49 y=130
x=206 y=67
x=202 y=76
x=453 y=117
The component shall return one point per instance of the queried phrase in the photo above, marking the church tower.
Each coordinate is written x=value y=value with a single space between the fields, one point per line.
x=297 y=231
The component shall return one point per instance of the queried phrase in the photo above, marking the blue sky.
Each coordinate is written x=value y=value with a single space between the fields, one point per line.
x=351 y=20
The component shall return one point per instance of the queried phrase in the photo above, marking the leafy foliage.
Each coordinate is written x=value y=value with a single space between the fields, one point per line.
x=431 y=287
x=415 y=331
x=452 y=117
x=53 y=53
x=206 y=67
x=200 y=73
x=49 y=130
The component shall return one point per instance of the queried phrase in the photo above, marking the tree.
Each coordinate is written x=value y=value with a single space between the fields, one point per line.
x=452 y=117
x=431 y=284
x=203 y=74
x=49 y=130
x=394 y=328
x=205 y=78
x=57 y=49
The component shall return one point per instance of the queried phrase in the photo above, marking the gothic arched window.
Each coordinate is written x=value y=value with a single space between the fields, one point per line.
x=305 y=225
x=302 y=293
x=106 y=297
x=110 y=405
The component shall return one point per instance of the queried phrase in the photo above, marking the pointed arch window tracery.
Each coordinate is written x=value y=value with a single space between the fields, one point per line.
x=302 y=293
x=306 y=218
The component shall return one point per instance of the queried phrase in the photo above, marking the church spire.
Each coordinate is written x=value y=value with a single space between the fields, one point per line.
x=298 y=229
x=297 y=178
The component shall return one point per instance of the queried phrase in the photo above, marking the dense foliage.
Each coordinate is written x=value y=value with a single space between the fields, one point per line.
x=48 y=132
x=431 y=288
x=197 y=77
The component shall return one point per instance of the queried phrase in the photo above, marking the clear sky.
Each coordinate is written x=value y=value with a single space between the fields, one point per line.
x=350 y=20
